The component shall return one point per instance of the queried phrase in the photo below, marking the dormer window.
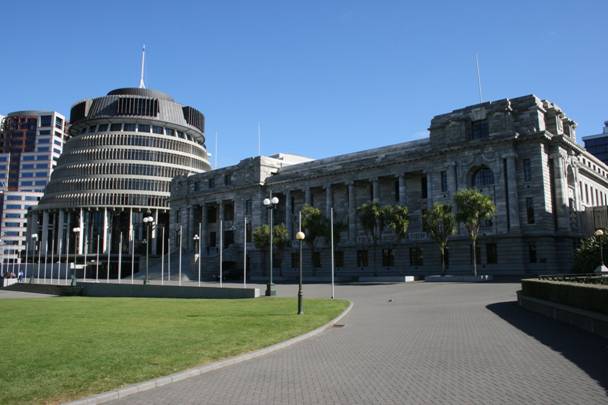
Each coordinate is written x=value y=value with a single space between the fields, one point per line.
x=479 y=129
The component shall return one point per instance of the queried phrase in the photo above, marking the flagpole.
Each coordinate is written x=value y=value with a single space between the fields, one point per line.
x=120 y=258
x=245 y=254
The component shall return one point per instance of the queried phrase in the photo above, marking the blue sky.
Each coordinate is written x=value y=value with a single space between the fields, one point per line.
x=322 y=77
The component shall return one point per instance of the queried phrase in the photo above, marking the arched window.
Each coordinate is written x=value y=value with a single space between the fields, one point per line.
x=483 y=177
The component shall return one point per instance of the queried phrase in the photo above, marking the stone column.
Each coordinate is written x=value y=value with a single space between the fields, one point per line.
x=67 y=234
x=45 y=231
x=513 y=196
x=104 y=237
x=375 y=191
x=561 y=192
x=131 y=236
x=452 y=178
x=402 y=190
x=288 y=216
x=329 y=200
x=82 y=231
x=204 y=228
x=429 y=190
x=154 y=233
x=59 y=243
x=220 y=217
x=352 y=212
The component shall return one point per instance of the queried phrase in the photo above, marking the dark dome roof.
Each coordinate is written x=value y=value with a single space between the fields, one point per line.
x=135 y=91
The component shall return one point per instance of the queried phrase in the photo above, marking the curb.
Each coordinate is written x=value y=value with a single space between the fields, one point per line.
x=196 y=371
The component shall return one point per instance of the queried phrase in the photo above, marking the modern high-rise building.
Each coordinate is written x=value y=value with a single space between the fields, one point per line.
x=598 y=144
x=30 y=145
x=124 y=150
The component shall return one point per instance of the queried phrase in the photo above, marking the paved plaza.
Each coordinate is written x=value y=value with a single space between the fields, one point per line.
x=415 y=343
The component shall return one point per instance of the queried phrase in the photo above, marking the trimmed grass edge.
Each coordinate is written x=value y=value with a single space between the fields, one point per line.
x=200 y=370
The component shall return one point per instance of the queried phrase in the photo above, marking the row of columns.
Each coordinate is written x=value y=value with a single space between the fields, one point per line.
x=63 y=226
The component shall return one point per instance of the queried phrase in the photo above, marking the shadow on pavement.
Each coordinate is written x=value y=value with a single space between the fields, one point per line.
x=589 y=352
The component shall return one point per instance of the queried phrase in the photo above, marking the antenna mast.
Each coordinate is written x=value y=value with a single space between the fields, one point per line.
x=141 y=74
x=478 y=77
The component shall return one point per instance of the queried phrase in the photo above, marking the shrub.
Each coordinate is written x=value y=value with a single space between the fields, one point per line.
x=587 y=257
x=591 y=297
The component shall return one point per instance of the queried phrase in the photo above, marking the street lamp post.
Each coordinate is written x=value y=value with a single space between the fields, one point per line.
x=36 y=247
x=599 y=234
x=270 y=203
x=300 y=237
x=148 y=220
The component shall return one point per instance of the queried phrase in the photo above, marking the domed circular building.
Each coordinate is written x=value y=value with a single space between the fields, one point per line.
x=124 y=150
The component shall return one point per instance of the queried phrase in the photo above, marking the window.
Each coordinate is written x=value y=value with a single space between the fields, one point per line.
x=212 y=239
x=362 y=258
x=58 y=123
x=295 y=260
x=157 y=130
x=13 y=206
x=45 y=120
x=416 y=258
x=44 y=141
x=13 y=198
x=316 y=259
x=227 y=179
x=491 y=253
x=530 y=210
x=169 y=131
x=102 y=128
x=211 y=182
x=228 y=238
x=248 y=207
x=586 y=194
x=229 y=211
x=423 y=187
x=479 y=129
x=45 y=132
x=388 y=258
x=129 y=127
x=483 y=177
x=444 y=181
x=43 y=149
x=396 y=189
x=12 y=215
x=527 y=170
x=212 y=214
x=26 y=166
x=532 y=252
x=339 y=258
x=115 y=127
x=143 y=128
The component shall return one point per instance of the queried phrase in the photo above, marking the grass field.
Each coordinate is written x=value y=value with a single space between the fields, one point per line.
x=56 y=349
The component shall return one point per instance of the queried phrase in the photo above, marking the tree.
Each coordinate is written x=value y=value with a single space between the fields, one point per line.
x=372 y=218
x=396 y=217
x=587 y=257
x=315 y=226
x=472 y=207
x=280 y=237
x=441 y=223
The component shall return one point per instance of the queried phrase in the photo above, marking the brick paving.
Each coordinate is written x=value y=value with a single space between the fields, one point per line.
x=430 y=344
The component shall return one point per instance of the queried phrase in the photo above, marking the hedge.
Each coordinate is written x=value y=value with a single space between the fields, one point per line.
x=591 y=297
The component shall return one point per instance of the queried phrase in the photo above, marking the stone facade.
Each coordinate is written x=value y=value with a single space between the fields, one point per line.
x=522 y=152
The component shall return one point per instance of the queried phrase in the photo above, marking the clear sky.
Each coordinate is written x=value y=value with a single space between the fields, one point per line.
x=322 y=77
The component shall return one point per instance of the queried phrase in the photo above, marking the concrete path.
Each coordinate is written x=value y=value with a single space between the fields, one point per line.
x=4 y=294
x=418 y=344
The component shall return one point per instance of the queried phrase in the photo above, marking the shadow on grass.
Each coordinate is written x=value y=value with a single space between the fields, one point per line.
x=589 y=352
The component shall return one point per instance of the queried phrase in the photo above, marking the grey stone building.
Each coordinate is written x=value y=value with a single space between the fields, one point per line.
x=522 y=152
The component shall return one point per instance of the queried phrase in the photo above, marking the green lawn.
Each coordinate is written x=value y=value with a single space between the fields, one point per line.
x=56 y=349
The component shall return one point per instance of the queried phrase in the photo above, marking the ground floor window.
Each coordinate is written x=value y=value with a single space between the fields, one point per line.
x=295 y=260
x=416 y=258
x=339 y=258
x=228 y=238
x=316 y=259
x=491 y=253
x=362 y=258
x=532 y=252
x=388 y=258
x=212 y=240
